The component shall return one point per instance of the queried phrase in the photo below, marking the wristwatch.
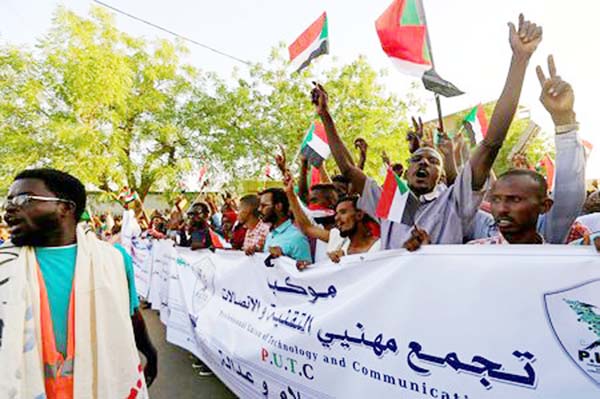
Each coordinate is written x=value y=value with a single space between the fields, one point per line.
x=567 y=128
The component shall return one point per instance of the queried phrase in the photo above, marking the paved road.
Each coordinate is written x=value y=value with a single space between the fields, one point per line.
x=176 y=378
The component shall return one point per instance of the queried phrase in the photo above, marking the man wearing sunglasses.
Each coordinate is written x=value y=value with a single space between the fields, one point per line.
x=77 y=293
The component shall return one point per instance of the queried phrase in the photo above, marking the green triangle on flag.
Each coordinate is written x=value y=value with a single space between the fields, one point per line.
x=403 y=36
x=394 y=196
x=315 y=146
x=312 y=43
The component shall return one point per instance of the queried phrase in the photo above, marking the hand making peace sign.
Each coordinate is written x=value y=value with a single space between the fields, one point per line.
x=557 y=95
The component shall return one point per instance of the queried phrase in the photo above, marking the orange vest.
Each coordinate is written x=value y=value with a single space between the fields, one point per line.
x=58 y=370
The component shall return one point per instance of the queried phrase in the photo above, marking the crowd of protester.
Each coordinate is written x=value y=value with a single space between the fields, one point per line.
x=454 y=197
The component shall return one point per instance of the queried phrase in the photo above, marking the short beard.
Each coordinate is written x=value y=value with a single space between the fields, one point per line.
x=271 y=218
x=348 y=233
x=46 y=228
x=22 y=241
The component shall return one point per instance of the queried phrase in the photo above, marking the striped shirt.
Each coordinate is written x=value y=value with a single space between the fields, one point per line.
x=256 y=237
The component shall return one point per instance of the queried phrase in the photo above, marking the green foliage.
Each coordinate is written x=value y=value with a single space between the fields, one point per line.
x=117 y=110
x=536 y=148
x=97 y=103
x=249 y=119
x=21 y=114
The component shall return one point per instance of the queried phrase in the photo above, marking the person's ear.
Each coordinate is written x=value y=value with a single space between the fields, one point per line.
x=65 y=208
x=360 y=215
x=279 y=207
x=546 y=205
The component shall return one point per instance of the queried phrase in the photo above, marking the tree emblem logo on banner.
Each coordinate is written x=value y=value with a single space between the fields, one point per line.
x=574 y=316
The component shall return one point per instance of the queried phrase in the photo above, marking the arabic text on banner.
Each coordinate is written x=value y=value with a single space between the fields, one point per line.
x=445 y=322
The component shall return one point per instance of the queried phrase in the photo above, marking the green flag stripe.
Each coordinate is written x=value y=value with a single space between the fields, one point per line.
x=309 y=136
x=426 y=53
x=472 y=115
x=410 y=14
x=402 y=186
x=325 y=30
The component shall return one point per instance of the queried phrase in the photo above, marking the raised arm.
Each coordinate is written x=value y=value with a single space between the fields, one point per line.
x=303 y=180
x=569 y=181
x=281 y=161
x=342 y=156
x=304 y=224
x=446 y=147
x=459 y=144
x=362 y=146
x=523 y=42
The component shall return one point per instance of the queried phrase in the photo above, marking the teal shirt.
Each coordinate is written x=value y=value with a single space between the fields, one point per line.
x=57 y=265
x=291 y=241
x=580 y=241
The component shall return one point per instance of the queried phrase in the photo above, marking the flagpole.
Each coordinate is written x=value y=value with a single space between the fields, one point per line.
x=438 y=103
x=439 y=111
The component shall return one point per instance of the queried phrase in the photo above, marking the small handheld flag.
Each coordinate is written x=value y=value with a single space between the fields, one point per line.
x=315 y=146
x=218 y=241
x=393 y=198
x=479 y=122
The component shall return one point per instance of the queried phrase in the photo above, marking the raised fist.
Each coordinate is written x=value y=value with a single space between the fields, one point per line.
x=319 y=99
x=525 y=39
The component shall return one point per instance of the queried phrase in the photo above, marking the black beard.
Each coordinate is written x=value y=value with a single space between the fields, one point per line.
x=31 y=240
x=46 y=227
x=20 y=241
x=348 y=233
x=271 y=218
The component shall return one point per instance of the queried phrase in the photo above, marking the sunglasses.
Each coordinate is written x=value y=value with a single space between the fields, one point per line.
x=22 y=200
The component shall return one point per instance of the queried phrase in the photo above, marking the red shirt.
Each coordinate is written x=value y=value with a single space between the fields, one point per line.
x=238 y=236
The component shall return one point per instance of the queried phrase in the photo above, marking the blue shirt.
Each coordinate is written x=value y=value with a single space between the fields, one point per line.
x=291 y=241
x=57 y=265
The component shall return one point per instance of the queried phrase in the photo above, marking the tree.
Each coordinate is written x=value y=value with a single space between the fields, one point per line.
x=21 y=114
x=116 y=110
x=270 y=106
x=536 y=148
x=109 y=108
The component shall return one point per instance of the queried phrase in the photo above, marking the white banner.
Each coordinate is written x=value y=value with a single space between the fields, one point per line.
x=445 y=322
x=141 y=255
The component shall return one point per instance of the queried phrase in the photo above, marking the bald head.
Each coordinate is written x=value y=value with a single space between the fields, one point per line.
x=535 y=181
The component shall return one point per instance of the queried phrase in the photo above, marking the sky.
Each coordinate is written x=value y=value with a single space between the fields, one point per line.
x=469 y=40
